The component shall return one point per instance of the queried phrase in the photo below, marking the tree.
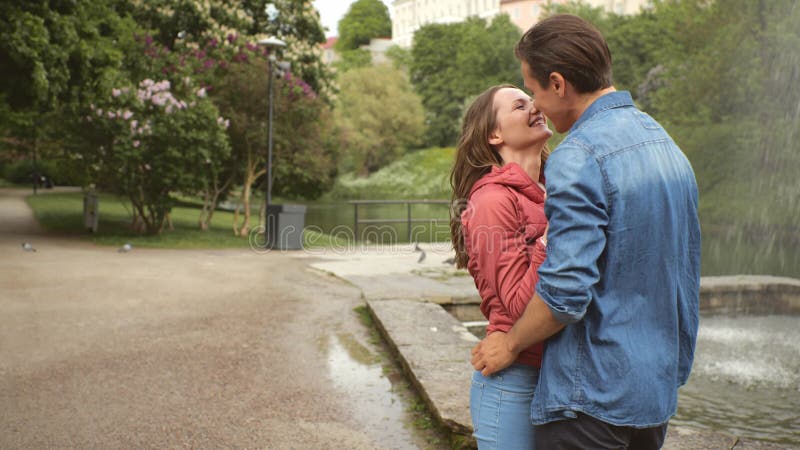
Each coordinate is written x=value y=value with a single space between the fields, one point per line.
x=366 y=19
x=453 y=62
x=353 y=59
x=304 y=141
x=154 y=139
x=191 y=24
x=380 y=117
x=55 y=57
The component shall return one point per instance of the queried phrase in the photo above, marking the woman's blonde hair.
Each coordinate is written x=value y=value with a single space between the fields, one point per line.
x=474 y=159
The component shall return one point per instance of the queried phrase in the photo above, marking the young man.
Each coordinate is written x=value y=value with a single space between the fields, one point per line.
x=618 y=293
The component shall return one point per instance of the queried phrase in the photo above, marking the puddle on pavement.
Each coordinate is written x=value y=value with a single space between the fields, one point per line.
x=379 y=392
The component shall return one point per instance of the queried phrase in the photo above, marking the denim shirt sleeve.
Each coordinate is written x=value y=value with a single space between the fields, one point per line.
x=577 y=210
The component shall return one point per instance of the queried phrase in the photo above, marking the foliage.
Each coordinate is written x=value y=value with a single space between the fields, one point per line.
x=154 y=139
x=704 y=69
x=453 y=62
x=421 y=174
x=364 y=20
x=353 y=59
x=400 y=57
x=54 y=58
x=22 y=171
x=380 y=117
x=306 y=147
x=191 y=24
x=303 y=141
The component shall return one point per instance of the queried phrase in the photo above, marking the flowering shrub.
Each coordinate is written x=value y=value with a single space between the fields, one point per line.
x=154 y=139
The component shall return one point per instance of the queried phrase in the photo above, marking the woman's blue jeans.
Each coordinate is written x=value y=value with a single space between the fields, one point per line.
x=500 y=406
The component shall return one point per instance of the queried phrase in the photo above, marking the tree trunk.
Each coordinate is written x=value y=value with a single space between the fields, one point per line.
x=204 y=219
x=250 y=177
x=211 y=201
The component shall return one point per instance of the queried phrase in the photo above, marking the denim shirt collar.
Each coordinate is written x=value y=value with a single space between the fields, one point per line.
x=611 y=100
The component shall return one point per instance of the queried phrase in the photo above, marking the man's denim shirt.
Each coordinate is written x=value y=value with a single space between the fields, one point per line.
x=622 y=270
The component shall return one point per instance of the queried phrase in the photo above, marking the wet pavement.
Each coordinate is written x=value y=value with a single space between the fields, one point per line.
x=187 y=348
x=403 y=294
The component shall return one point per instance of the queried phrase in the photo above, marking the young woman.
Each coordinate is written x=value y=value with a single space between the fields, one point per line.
x=498 y=229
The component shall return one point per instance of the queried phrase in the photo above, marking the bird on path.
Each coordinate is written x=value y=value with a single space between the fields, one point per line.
x=450 y=261
x=421 y=252
x=125 y=248
x=28 y=247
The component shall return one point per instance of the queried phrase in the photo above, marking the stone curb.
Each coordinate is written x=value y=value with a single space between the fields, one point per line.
x=433 y=348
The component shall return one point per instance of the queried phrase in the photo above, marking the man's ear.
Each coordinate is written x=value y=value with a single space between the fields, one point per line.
x=558 y=83
x=495 y=138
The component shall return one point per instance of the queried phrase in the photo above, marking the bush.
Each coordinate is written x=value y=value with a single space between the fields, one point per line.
x=21 y=172
x=424 y=174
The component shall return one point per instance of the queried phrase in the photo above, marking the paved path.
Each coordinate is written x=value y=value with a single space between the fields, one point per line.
x=168 y=348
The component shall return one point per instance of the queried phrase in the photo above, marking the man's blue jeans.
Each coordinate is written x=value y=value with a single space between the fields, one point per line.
x=500 y=406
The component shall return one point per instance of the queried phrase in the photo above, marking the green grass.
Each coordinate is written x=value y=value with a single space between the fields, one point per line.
x=62 y=213
x=417 y=175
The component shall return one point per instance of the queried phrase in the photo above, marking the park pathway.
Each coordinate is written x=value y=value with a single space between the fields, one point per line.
x=183 y=348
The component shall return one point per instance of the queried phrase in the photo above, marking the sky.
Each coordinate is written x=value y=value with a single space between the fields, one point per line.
x=330 y=11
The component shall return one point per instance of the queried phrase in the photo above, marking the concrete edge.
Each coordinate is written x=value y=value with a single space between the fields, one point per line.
x=413 y=370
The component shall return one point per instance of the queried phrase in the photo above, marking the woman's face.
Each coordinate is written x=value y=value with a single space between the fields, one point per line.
x=519 y=124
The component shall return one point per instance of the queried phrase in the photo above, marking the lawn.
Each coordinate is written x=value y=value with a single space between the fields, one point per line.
x=63 y=213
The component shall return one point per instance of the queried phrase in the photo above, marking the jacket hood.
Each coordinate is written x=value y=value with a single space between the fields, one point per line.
x=511 y=175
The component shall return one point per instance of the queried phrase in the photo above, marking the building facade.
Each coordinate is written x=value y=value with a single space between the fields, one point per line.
x=524 y=13
x=409 y=15
x=621 y=7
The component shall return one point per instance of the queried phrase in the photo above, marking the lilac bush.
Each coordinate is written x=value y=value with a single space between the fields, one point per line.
x=155 y=139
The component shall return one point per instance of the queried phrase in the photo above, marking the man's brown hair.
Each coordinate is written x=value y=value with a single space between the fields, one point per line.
x=570 y=46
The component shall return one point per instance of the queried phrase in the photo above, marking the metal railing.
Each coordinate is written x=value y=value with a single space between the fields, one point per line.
x=408 y=220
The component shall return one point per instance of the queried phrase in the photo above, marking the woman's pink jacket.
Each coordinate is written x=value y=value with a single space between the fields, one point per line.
x=502 y=223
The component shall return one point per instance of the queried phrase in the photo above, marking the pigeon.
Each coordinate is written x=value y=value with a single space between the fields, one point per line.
x=450 y=261
x=421 y=252
x=125 y=248
x=28 y=247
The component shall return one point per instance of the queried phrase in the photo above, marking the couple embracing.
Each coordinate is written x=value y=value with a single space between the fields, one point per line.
x=587 y=258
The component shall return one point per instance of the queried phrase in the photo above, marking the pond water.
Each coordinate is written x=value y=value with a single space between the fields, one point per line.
x=727 y=250
x=745 y=378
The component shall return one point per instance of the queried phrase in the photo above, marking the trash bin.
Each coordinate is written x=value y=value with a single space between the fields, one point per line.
x=90 y=211
x=285 y=225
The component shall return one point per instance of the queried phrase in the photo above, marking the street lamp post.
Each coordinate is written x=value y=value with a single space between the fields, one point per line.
x=271 y=44
x=283 y=224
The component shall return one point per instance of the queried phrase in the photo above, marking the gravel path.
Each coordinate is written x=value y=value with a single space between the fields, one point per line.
x=182 y=348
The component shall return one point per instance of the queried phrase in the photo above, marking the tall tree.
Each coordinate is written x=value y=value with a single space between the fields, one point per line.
x=453 y=62
x=380 y=117
x=366 y=19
